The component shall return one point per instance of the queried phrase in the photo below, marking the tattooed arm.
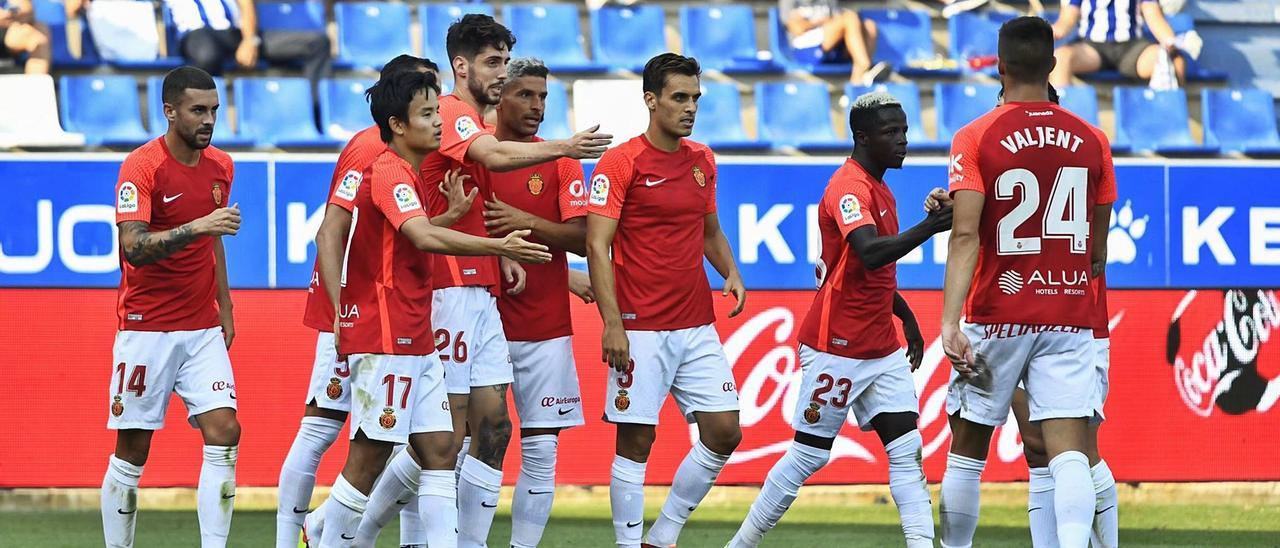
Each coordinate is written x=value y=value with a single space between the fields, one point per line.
x=141 y=246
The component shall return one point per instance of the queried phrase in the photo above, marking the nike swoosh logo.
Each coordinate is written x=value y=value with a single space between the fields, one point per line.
x=168 y=199
x=123 y=513
x=883 y=212
x=297 y=510
x=564 y=411
x=345 y=537
x=634 y=523
x=1104 y=510
x=494 y=505
x=1030 y=510
x=233 y=396
x=532 y=492
x=225 y=497
x=648 y=182
x=692 y=508
x=402 y=502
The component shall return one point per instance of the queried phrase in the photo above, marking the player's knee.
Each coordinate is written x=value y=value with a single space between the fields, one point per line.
x=635 y=441
x=133 y=448
x=434 y=451
x=222 y=432
x=891 y=426
x=723 y=440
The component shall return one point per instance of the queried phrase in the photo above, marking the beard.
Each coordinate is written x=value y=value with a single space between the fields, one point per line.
x=193 y=139
x=480 y=92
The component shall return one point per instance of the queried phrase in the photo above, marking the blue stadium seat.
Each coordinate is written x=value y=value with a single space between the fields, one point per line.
x=103 y=108
x=224 y=134
x=555 y=116
x=959 y=104
x=550 y=32
x=1154 y=121
x=277 y=111
x=973 y=34
x=719 y=122
x=1184 y=22
x=304 y=15
x=786 y=56
x=797 y=114
x=371 y=33
x=172 y=61
x=626 y=37
x=723 y=37
x=1240 y=120
x=1081 y=101
x=902 y=38
x=343 y=108
x=908 y=94
x=53 y=13
x=435 y=20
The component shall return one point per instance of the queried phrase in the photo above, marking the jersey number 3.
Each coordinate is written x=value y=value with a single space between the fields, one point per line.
x=1065 y=216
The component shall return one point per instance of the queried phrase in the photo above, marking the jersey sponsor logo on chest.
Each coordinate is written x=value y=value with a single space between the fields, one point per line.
x=1044 y=282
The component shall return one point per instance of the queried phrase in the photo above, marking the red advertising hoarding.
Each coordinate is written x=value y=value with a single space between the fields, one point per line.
x=1195 y=377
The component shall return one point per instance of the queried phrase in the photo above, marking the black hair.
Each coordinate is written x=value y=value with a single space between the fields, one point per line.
x=1026 y=49
x=663 y=65
x=390 y=97
x=1053 y=94
x=184 y=78
x=472 y=33
x=405 y=61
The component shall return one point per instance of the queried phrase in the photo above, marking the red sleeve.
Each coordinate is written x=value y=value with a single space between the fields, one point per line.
x=134 y=187
x=1106 y=192
x=609 y=184
x=963 y=173
x=849 y=203
x=712 y=179
x=394 y=194
x=462 y=125
x=345 y=191
x=573 y=201
x=229 y=166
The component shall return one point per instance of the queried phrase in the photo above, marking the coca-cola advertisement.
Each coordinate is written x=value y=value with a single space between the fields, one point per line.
x=1195 y=375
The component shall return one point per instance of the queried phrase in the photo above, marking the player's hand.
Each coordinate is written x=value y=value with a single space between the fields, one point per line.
x=513 y=273
x=224 y=221
x=1099 y=268
x=337 y=329
x=915 y=343
x=940 y=219
x=615 y=349
x=455 y=193
x=501 y=218
x=247 y=53
x=228 y=323
x=734 y=285
x=957 y=348
x=587 y=143
x=936 y=199
x=516 y=247
x=580 y=285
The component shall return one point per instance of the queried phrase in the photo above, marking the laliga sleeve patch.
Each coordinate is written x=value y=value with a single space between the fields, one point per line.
x=599 y=190
x=127 y=198
x=406 y=198
x=466 y=127
x=850 y=210
x=349 y=185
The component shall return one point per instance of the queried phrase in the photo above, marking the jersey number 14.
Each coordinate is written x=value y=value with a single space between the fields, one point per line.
x=1065 y=216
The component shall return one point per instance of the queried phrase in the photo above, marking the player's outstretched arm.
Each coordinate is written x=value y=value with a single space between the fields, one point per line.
x=498 y=155
x=224 y=292
x=615 y=348
x=433 y=239
x=877 y=251
x=910 y=330
x=501 y=218
x=141 y=246
x=716 y=248
x=962 y=258
x=1099 y=228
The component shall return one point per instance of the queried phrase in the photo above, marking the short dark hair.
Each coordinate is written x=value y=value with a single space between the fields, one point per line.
x=1026 y=49
x=1053 y=94
x=469 y=35
x=864 y=114
x=182 y=79
x=663 y=65
x=391 y=97
x=405 y=61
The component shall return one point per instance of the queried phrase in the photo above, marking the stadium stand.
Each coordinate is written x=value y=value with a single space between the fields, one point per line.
x=719 y=122
x=797 y=114
x=551 y=32
x=104 y=108
x=277 y=112
x=781 y=52
x=343 y=109
x=306 y=15
x=1164 y=133
x=904 y=42
x=973 y=36
x=53 y=13
x=31 y=114
x=555 y=116
x=369 y=33
x=435 y=20
x=225 y=133
x=1240 y=120
x=908 y=94
x=959 y=104
x=596 y=102
x=626 y=37
x=723 y=37
x=1081 y=101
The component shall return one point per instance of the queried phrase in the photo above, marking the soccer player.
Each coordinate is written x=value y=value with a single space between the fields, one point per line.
x=1032 y=186
x=328 y=398
x=380 y=287
x=175 y=321
x=653 y=204
x=469 y=334
x=849 y=351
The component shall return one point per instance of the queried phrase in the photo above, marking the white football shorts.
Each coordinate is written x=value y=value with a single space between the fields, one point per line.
x=546 y=383
x=832 y=386
x=431 y=410
x=687 y=363
x=469 y=338
x=330 y=386
x=385 y=391
x=1102 y=365
x=150 y=365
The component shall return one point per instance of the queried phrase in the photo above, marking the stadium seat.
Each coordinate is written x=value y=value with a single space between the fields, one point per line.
x=626 y=37
x=103 y=108
x=908 y=94
x=165 y=63
x=902 y=39
x=781 y=52
x=1081 y=101
x=797 y=114
x=435 y=20
x=31 y=115
x=1240 y=120
x=53 y=13
x=959 y=104
x=304 y=15
x=371 y=33
x=555 y=116
x=973 y=34
x=277 y=111
x=550 y=32
x=723 y=37
x=225 y=133
x=719 y=121
x=616 y=105
x=1154 y=121
x=343 y=108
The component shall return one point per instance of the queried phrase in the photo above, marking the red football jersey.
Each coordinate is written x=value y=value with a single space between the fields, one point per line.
x=179 y=292
x=361 y=150
x=1041 y=170
x=386 y=281
x=555 y=191
x=660 y=200
x=462 y=125
x=852 y=315
x=1101 y=317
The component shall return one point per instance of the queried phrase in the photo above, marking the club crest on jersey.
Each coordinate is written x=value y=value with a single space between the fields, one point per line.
x=812 y=415
x=217 y=194
x=699 y=177
x=850 y=210
x=117 y=407
x=466 y=127
x=388 y=419
x=349 y=185
x=127 y=200
x=334 y=390
x=536 y=184
x=599 y=190
x=622 y=401
x=406 y=198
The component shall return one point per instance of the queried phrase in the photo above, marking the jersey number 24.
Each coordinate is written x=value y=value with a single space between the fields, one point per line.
x=1065 y=216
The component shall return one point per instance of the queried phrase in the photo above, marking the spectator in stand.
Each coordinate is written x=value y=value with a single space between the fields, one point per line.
x=21 y=34
x=1107 y=35
x=821 y=29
